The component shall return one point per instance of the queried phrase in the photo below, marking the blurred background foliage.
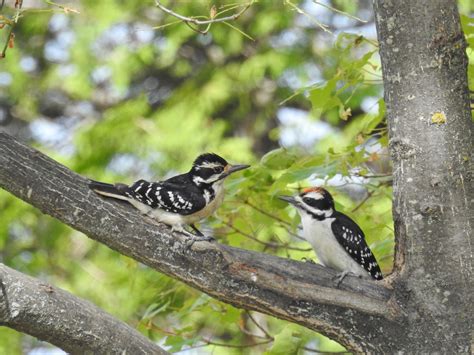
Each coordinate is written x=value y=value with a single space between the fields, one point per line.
x=119 y=90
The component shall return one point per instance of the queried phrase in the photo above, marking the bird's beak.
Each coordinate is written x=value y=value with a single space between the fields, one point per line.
x=233 y=168
x=289 y=199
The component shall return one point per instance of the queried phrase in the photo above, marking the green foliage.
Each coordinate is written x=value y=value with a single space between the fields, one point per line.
x=143 y=94
x=288 y=341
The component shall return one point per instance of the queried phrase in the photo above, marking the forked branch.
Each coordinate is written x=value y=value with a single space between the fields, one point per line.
x=296 y=291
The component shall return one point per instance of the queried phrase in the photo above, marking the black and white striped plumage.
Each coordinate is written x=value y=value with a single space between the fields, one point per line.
x=337 y=240
x=181 y=200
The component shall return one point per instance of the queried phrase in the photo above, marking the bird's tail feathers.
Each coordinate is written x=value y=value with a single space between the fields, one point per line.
x=109 y=190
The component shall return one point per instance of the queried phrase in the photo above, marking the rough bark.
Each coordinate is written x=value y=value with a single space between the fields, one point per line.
x=424 y=64
x=76 y=326
x=299 y=292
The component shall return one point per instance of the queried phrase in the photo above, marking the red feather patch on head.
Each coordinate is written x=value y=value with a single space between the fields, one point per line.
x=313 y=189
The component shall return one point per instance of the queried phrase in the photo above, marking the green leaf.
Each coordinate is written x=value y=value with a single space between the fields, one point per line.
x=278 y=159
x=176 y=343
x=288 y=341
x=323 y=97
x=369 y=122
x=154 y=309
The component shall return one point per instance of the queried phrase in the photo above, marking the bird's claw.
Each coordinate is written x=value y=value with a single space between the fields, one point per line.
x=192 y=237
x=196 y=238
x=308 y=260
x=340 y=276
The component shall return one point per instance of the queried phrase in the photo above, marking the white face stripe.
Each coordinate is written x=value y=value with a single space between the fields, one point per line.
x=315 y=195
x=208 y=164
x=210 y=180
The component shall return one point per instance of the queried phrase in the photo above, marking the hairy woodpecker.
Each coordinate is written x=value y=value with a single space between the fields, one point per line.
x=337 y=240
x=181 y=200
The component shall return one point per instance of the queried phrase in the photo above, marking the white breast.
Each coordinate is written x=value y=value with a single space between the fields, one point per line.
x=159 y=215
x=211 y=206
x=328 y=250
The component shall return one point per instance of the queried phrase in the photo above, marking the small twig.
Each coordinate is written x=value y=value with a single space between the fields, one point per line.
x=264 y=331
x=240 y=31
x=7 y=42
x=286 y=225
x=339 y=11
x=268 y=244
x=324 y=352
x=10 y=34
x=195 y=21
x=243 y=346
x=324 y=27
x=372 y=73
x=267 y=213
x=369 y=195
x=249 y=333
x=66 y=9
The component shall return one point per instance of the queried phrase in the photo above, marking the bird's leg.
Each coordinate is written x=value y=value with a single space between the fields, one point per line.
x=199 y=237
x=340 y=276
x=308 y=260
x=193 y=237
x=198 y=232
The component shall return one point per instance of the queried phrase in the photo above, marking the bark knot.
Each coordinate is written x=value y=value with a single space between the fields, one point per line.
x=402 y=148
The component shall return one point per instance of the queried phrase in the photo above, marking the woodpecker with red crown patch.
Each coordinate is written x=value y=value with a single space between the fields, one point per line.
x=337 y=240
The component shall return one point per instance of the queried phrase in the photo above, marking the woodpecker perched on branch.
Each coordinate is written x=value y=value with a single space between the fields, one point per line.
x=181 y=200
x=337 y=240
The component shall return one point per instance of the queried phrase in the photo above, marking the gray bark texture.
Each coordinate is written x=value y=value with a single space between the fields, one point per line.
x=424 y=66
x=299 y=292
x=76 y=326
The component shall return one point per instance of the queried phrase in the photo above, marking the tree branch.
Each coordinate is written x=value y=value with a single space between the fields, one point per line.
x=188 y=20
x=76 y=326
x=287 y=289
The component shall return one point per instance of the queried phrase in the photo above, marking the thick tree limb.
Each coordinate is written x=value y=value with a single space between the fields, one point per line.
x=56 y=316
x=287 y=289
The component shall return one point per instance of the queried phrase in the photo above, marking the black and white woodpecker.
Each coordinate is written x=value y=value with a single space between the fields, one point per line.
x=337 y=240
x=180 y=200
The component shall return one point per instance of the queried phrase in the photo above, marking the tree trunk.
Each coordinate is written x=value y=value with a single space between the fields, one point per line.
x=424 y=64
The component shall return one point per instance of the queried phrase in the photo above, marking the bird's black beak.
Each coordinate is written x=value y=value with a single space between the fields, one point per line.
x=233 y=168
x=289 y=199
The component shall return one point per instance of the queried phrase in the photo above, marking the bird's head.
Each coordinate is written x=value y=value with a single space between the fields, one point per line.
x=315 y=201
x=209 y=168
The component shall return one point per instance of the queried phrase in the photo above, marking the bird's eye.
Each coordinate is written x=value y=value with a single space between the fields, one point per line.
x=320 y=204
x=308 y=200
x=218 y=169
